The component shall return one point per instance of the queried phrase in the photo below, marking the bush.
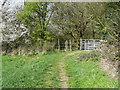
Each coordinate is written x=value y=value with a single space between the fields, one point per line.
x=93 y=55
x=110 y=52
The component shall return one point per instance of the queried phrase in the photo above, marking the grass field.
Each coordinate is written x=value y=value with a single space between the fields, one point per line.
x=43 y=71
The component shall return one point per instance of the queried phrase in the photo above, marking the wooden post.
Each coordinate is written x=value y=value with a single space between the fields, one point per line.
x=58 y=45
x=77 y=44
x=66 y=45
x=70 y=45
x=19 y=50
x=44 y=49
x=88 y=44
x=80 y=44
x=85 y=44
x=94 y=44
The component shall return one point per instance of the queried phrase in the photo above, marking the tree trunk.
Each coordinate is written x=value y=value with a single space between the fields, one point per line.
x=44 y=48
x=58 y=45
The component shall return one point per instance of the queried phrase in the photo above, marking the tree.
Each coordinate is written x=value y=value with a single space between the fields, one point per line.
x=11 y=27
x=36 y=16
x=109 y=29
x=4 y=2
x=77 y=20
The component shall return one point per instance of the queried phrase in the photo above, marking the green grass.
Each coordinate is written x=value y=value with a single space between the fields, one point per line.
x=38 y=71
x=42 y=71
x=87 y=74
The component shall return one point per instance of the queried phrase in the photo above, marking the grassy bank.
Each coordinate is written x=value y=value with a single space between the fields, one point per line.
x=87 y=74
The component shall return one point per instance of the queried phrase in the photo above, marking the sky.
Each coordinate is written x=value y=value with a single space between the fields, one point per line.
x=13 y=2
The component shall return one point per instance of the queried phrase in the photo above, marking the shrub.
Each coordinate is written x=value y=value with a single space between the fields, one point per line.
x=93 y=55
x=110 y=52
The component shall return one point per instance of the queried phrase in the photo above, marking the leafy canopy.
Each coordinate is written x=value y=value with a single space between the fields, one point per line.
x=35 y=16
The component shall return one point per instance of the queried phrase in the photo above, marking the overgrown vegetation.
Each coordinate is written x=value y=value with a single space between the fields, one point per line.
x=42 y=22
x=87 y=74
x=93 y=55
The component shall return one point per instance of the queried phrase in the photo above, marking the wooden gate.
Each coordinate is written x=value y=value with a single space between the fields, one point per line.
x=89 y=44
x=72 y=44
x=82 y=44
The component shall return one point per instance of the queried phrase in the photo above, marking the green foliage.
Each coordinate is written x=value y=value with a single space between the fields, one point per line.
x=109 y=22
x=77 y=20
x=35 y=18
x=82 y=20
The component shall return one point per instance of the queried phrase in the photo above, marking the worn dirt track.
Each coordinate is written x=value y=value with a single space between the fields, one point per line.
x=63 y=76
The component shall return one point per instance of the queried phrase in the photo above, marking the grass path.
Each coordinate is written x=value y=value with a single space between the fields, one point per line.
x=55 y=70
x=64 y=78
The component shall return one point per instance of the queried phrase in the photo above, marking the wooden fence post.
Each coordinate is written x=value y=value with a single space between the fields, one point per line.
x=77 y=44
x=70 y=45
x=58 y=45
x=85 y=43
x=66 y=45
x=80 y=44
x=88 y=44
x=94 y=44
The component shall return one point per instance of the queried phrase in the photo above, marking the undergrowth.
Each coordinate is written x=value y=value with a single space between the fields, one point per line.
x=87 y=74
